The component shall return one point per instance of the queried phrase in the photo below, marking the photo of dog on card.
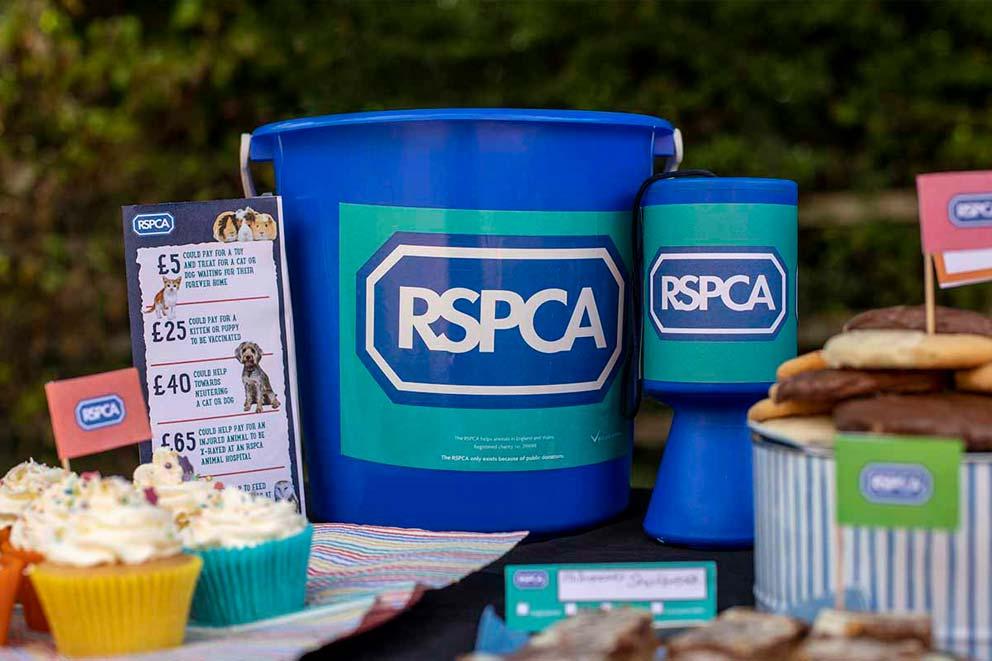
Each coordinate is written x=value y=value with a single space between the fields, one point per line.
x=258 y=390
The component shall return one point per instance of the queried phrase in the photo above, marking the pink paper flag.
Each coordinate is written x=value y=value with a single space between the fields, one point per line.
x=91 y=414
x=956 y=224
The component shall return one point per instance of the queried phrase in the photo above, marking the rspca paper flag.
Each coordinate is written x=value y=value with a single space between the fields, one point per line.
x=95 y=413
x=956 y=225
x=896 y=482
x=211 y=334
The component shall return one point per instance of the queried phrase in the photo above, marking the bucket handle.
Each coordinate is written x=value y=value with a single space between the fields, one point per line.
x=635 y=366
x=247 y=183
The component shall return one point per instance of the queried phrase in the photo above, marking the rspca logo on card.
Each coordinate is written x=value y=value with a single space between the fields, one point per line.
x=896 y=484
x=100 y=412
x=971 y=210
x=151 y=224
x=492 y=321
x=530 y=579
x=718 y=293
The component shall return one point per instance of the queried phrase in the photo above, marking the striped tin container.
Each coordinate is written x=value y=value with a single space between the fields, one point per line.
x=945 y=574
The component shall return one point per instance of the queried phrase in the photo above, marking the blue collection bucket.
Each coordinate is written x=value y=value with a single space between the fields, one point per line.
x=719 y=307
x=462 y=291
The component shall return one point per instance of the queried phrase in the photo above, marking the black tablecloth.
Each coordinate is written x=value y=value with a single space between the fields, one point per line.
x=443 y=624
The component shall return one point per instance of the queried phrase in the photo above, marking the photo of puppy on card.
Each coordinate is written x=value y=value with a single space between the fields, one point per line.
x=258 y=390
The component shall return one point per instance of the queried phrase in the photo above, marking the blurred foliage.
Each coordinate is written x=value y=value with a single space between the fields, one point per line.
x=104 y=103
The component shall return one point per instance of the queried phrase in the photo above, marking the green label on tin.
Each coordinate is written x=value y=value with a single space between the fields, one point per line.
x=897 y=482
x=482 y=340
x=719 y=291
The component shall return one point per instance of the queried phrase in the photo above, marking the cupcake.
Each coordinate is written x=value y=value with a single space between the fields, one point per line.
x=255 y=552
x=11 y=569
x=114 y=579
x=29 y=534
x=20 y=486
x=177 y=489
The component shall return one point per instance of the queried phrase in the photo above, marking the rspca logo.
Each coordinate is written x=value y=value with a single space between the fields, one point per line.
x=896 y=484
x=488 y=321
x=718 y=293
x=531 y=579
x=971 y=210
x=151 y=224
x=100 y=412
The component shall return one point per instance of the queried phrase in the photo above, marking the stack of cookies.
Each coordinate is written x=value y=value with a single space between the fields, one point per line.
x=885 y=374
x=740 y=634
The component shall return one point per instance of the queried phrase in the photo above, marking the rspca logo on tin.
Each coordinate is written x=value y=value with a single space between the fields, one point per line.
x=896 y=484
x=151 y=224
x=488 y=321
x=100 y=412
x=718 y=293
x=971 y=210
x=531 y=579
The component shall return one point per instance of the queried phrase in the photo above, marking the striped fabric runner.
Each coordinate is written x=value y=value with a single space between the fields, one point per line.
x=360 y=577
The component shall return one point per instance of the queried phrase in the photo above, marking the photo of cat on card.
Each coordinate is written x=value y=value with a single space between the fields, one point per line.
x=167 y=298
x=244 y=225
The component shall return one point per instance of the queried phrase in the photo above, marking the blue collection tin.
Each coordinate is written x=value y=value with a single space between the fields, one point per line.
x=719 y=317
x=461 y=283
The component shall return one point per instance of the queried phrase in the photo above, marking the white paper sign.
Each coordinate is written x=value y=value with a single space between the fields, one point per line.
x=632 y=584
x=216 y=338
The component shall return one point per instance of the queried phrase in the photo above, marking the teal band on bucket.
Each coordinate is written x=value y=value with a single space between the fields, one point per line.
x=747 y=228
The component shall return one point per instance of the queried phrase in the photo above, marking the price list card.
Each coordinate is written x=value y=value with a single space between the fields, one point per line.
x=211 y=333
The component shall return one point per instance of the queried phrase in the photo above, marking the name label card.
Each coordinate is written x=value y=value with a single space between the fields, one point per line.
x=676 y=593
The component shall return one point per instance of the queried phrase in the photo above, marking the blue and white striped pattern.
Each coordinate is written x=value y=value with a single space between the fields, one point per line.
x=946 y=574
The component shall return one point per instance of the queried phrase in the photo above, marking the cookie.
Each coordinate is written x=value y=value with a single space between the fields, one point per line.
x=768 y=409
x=914 y=317
x=807 y=362
x=833 y=385
x=739 y=633
x=880 y=626
x=624 y=633
x=812 y=430
x=859 y=649
x=978 y=379
x=907 y=349
x=947 y=415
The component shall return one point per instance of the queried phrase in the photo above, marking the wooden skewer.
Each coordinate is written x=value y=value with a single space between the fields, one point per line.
x=839 y=600
x=929 y=294
x=65 y=464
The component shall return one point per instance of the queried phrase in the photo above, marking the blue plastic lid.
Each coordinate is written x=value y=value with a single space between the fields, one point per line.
x=261 y=137
x=470 y=114
x=722 y=190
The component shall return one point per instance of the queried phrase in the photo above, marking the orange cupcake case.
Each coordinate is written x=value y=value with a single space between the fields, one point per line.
x=34 y=615
x=11 y=572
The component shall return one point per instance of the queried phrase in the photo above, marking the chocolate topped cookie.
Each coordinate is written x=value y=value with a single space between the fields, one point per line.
x=951 y=415
x=914 y=317
x=834 y=385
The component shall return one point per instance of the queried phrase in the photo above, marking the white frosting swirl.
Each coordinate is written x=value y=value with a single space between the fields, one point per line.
x=231 y=518
x=21 y=485
x=165 y=475
x=110 y=522
x=49 y=511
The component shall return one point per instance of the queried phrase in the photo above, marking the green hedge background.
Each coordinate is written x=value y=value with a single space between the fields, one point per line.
x=104 y=103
